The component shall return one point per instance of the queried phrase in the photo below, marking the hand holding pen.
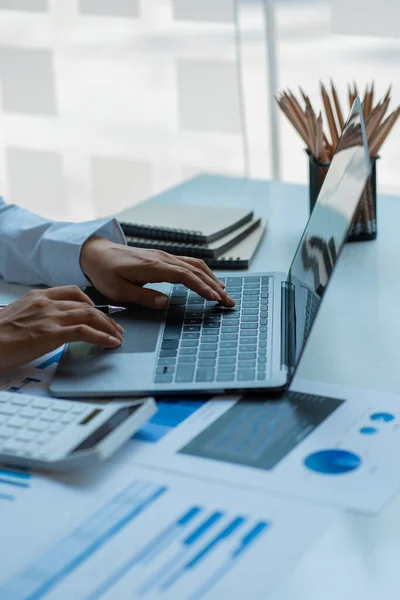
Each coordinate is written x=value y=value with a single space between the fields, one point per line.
x=42 y=320
x=106 y=309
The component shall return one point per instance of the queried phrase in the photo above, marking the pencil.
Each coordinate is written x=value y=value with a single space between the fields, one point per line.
x=383 y=132
x=301 y=114
x=325 y=153
x=297 y=108
x=329 y=116
x=293 y=118
x=337 y=106
x=388 y=93
x=311 y=135
x=380 y=113
x=369 y=100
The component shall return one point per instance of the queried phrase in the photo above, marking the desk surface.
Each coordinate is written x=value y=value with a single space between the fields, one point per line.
x=355 y=342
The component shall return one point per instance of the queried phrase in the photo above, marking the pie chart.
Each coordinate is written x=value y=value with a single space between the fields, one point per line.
x=332 y=462
x=382 y=416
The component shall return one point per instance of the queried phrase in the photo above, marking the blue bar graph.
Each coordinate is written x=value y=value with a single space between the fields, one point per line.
x=22 y=384
x=16 y=483
x=187 y=543
x=226 y=532
x=13 y=479
x=164 y=581
x=50 y=361
x=82 y=543
x=247 y=540
x=149 y=552
x=7 y=497
x=169 y=415
x=17 y=474
x=190 y=553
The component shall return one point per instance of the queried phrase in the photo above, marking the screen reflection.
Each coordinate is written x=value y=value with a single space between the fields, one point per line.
x=325 y=234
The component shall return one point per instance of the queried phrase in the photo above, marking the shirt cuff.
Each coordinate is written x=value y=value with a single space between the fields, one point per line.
x=68 y=246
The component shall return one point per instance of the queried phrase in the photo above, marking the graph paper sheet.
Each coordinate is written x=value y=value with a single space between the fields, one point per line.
x=325 y=443
x=148 y=534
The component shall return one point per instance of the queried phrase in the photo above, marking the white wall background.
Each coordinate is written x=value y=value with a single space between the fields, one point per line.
x=105 y=102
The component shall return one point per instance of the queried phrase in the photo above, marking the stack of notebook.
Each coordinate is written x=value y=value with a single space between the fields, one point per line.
x=223 y=237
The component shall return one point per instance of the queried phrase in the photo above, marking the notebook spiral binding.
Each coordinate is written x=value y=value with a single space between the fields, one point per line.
x=161 y=233
x=179 y=248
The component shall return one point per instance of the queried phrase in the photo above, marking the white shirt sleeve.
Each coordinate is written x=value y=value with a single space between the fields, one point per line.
x=34 y=250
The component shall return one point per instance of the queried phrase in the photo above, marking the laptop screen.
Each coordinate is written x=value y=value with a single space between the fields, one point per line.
x=325 y=234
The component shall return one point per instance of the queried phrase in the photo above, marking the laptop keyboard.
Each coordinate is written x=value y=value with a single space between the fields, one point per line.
x=204 y=342
x=311 y=311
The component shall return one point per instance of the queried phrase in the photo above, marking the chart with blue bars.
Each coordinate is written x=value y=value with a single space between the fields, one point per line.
x=169 y=415
x=13 y=483
x=193 y=549
x=52 y=360
x=33 y=381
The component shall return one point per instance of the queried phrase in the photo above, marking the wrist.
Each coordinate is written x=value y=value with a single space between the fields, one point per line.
x=90 y=251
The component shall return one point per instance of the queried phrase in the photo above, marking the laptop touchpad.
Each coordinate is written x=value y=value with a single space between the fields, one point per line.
x=141 y=325
x=141 y=329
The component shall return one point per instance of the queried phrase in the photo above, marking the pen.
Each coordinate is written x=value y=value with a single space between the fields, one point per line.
x=107 y=309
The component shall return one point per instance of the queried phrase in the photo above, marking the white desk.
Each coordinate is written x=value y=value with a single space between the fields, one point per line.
x=355 y=342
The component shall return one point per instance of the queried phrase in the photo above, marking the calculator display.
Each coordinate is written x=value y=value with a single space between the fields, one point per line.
x=106 y=428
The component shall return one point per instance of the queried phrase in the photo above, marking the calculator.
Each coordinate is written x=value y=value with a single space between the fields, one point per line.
x=59 y=435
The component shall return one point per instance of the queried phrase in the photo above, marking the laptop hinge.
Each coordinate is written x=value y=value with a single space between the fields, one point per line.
x=288 y=326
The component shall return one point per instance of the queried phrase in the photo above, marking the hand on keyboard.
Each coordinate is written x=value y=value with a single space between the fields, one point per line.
x=120 y=272
x=43 y=320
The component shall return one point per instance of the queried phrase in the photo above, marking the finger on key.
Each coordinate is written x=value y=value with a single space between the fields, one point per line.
x=210 y=282
x=184 y=274
x=200 y=264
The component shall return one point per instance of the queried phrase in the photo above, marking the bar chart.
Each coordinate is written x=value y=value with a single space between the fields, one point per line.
x=143 y=543
x=169 y=415
x=34 y=378
x=12 y=483
x=51 y=360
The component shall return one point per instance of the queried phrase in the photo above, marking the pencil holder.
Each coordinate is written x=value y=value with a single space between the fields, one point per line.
x=364 y=227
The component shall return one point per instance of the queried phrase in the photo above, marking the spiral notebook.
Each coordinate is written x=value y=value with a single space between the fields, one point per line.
x=211 y=250
x=181 y=223
x=242 y=254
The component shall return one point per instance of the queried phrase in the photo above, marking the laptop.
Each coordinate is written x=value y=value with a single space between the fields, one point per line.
x=199 y=347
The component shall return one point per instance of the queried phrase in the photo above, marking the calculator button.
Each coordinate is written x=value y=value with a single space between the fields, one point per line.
x=38 y=426
x=49 y=416
x=67 y=419
x=5 y=432
x=20 y=400
x=30 y=449
x=29 y=413
x=25 y=435
x=78 y=409
x=55 y=428
x=16 y=422
x=62 y=407
x=11 y=446
x=8 y=409
x=43 y=438
x=41 y=403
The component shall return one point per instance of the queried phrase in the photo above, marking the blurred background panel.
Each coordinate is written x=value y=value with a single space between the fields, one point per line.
x=105 y=102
